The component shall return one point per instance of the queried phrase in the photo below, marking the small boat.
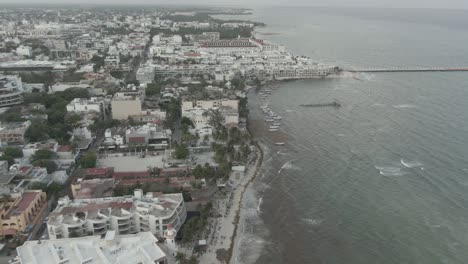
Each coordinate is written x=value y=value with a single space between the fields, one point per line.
x=273 y=129
x=279 y=143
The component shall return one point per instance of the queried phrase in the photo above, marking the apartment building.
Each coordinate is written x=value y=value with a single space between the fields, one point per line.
x=152 y=212
x=11 y=91
x=22 y=212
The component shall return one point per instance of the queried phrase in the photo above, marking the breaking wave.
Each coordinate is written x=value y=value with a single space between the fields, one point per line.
x=410 y=164
x=312 y=221
x=402 y=106
x=389 y=171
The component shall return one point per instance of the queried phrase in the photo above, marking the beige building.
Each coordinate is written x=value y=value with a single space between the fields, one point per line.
x=21 y=211
x=128 y=103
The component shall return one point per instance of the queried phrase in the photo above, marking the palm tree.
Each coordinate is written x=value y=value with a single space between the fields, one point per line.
x=180 y=257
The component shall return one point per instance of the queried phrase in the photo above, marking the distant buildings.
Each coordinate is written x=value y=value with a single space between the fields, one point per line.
x=152 y=212
x=139 y=248
x=22 y=212
x=11 y=91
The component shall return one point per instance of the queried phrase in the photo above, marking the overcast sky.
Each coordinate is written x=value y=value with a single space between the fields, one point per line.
x=451 y=4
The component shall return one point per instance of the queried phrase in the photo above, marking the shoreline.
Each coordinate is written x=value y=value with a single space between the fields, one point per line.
x=235 y=235
x=228 y=228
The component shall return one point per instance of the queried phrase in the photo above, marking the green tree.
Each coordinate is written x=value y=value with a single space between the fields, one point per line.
x=8 y=158
x=89 y=160
x=73 y=120
x=37 y=131
x=13 y=152
x=181 y=152
x=152 y=89
x=45 y=163
x=42 y=154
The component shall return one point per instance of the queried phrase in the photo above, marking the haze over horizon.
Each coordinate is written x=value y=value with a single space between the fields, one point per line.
x=435 y=4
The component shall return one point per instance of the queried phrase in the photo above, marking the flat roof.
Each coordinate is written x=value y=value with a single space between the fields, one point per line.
x=123 y=249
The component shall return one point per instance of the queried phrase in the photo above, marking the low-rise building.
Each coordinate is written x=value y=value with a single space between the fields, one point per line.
x=139 y=248
x=152 y=212
x=149 y=134
x=22 y=212
x=127 y=103
x=31 y=148
x=13 y=133
x=200 y=113
x=145 y=74
x=24 y=51
x=93 y=188
x=83 y=105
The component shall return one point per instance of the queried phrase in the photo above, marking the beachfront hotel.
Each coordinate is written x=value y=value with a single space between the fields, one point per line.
x=152 y=212
x=139 y=248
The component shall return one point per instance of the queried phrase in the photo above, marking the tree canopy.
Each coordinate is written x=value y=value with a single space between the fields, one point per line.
x=89 y=160
x=181 y=152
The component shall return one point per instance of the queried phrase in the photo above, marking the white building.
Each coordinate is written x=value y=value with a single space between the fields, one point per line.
x=199 y=113
x=145 y=74
x=83 y=105
x=112 y=61
x=152 y=212
x=11 y=90
x=139 y=248
x=24 y=51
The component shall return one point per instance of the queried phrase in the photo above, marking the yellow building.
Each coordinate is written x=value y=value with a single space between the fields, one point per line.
x=20 y=212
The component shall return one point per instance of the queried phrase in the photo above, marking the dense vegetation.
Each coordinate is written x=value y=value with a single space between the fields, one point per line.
x=55 y=104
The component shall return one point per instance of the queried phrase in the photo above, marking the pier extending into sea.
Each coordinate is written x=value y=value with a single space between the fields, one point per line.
x=416 y=69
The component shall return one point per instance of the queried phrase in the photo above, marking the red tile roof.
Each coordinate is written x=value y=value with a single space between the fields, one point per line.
x=9 y=231
x=26 y=199
x=97 y=171
x=131 y=174
x=136 y=139
x=65 y=148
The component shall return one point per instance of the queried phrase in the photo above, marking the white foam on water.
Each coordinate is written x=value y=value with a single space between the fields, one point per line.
x=392 y=174
x=287 y=165
x=367 y=76
x=340 y=135
x=390 y=171
x=260 y=201
x=388 y=168
x=403 y=106
x=411 y=164
x=378 y=105
x=312 y=221
x=290 y=111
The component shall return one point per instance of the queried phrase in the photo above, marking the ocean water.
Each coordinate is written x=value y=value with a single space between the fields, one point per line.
x=384 y=178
